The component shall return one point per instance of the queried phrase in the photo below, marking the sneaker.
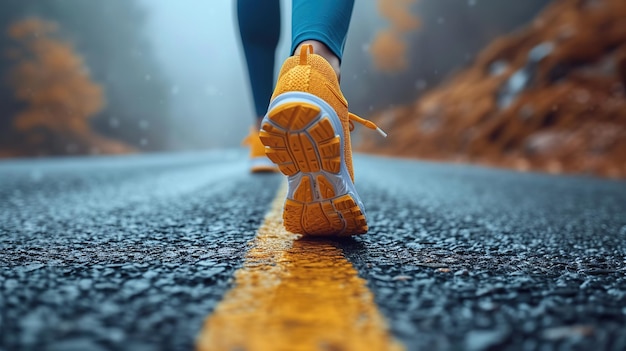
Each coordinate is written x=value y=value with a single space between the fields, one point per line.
x=306 y=132
x=259 y=163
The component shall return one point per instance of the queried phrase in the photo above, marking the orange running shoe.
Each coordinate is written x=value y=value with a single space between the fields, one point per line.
x=258 y=161
x=306 y=132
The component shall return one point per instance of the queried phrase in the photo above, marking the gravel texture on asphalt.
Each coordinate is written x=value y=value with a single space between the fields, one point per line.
x=121 y=254
x=472 y=258
x=132 y=253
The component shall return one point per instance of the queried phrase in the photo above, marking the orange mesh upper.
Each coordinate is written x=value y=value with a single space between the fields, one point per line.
x=311 y=73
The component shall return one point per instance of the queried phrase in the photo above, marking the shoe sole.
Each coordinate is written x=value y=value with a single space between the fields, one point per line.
x=304 y=138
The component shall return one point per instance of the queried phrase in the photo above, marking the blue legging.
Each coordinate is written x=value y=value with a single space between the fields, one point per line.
x=326 y=21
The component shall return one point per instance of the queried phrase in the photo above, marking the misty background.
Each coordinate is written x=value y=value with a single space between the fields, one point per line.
x=172 y=73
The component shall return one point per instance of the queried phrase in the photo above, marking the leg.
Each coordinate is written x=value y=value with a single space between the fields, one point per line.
x=324 y=25
x=259 y=27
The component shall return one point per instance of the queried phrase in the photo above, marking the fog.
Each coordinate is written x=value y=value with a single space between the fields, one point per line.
x=197 y=43
x=169 y=75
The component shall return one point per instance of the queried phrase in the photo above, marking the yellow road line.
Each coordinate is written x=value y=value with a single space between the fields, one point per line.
x=295 y=294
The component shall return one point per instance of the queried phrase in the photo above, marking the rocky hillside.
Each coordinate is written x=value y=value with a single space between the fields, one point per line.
x=549 y=97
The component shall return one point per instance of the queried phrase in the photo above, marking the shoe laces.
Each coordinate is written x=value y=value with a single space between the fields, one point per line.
x=367 y=123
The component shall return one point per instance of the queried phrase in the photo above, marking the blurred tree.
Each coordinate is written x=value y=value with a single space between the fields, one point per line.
x=389 y=47
x=59 y=96
x=110 y=36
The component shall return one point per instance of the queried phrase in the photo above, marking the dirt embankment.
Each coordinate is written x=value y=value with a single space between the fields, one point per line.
x=550 y=97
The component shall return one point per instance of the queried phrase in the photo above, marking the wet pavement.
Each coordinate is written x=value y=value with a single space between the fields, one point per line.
x=132 y=253
x=477 y=259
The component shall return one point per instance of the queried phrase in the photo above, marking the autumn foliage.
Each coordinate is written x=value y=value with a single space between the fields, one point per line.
x=389 y=48
x=57 y=93
x=549 y=97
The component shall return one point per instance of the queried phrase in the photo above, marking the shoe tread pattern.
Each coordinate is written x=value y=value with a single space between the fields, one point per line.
x=300 y=140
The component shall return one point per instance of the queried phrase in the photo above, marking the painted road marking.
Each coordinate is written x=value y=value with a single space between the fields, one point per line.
x=294 y=294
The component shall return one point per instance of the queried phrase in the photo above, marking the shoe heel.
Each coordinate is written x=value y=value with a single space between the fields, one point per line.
x=339 y=216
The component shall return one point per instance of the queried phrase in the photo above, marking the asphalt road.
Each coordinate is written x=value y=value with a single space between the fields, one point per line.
x=133 y=253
